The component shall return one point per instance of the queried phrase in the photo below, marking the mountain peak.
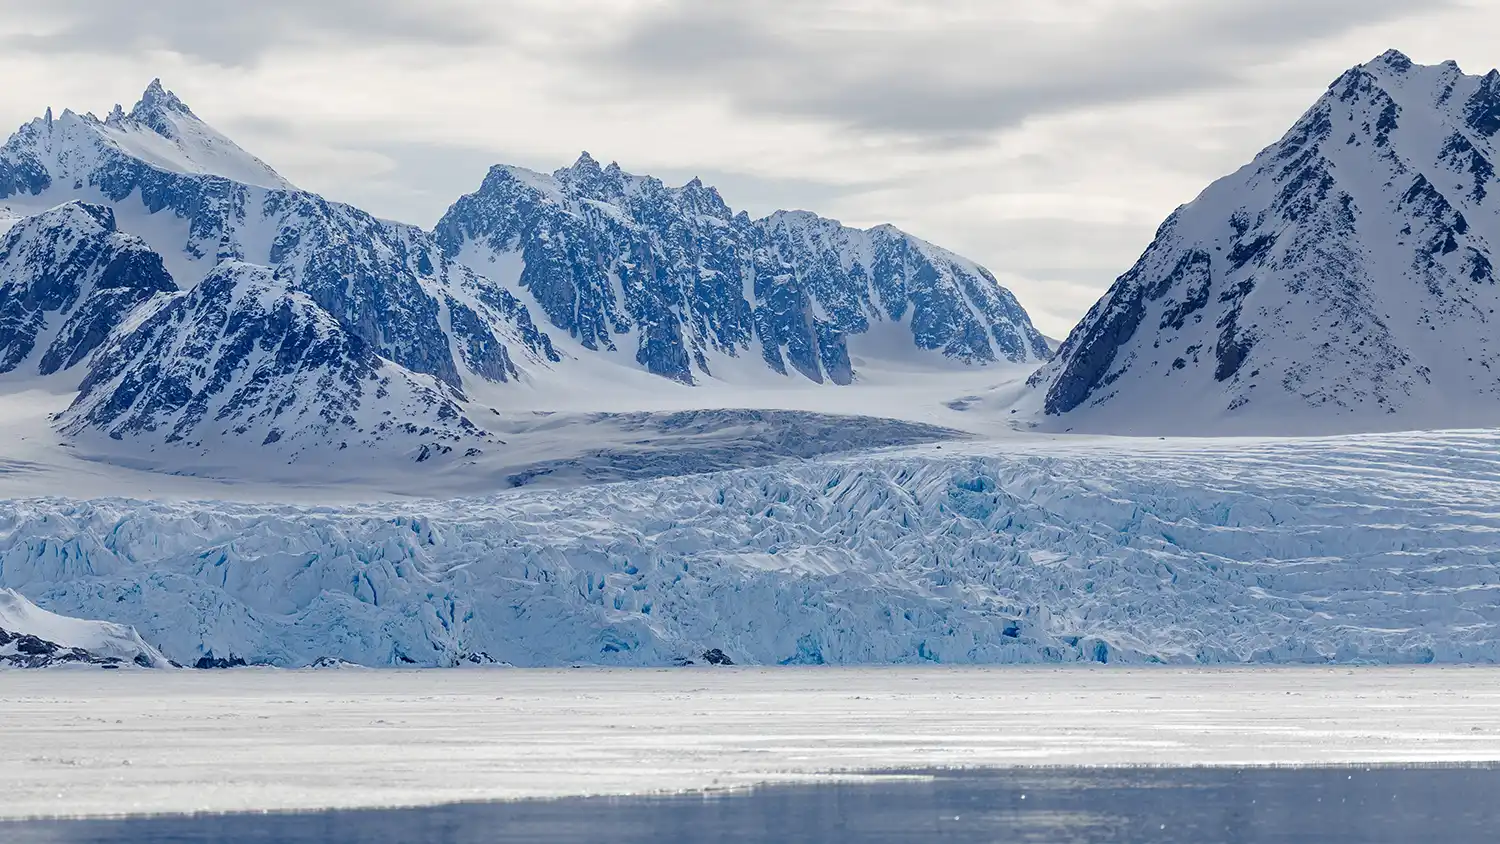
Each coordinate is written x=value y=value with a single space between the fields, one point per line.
x=156 y=99
x=1341 y=282
x=78 y=211
x=593 y=181
x=1393 y=59
x=159 y=131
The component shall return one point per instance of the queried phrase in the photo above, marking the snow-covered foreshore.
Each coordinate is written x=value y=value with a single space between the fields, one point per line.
x=116 y=743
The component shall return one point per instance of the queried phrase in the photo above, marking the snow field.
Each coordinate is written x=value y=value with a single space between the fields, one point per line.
x=111 y=743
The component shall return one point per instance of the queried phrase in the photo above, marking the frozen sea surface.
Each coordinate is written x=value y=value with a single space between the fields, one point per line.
x=101 y=744
x=1322 y=805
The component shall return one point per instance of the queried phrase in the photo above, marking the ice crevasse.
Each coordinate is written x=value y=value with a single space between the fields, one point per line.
x=1356 y=549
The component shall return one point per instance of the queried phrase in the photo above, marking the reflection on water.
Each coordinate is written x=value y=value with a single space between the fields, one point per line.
x=1451 y=804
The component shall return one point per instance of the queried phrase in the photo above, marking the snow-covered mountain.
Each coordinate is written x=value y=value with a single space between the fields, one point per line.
x=411 y=329
x=198 y=200
x=69 y=277
x=244 y=358
x=160 y=132
x=678 y=281
x=163 y=131
x=31 y=637
x=1342 y=281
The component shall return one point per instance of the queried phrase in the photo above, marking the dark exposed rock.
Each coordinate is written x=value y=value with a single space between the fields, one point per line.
x=1314 y=271
x=209 y=662
x=714 y=656
x=605 y=253
x=71 y=274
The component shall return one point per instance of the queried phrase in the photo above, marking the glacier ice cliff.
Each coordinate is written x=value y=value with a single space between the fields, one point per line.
x=1360 y=549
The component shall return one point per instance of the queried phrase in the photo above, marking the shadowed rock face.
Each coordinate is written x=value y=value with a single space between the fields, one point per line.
x=245 y=359
x=607 y=255
x=1341 y=281
x=68 y=277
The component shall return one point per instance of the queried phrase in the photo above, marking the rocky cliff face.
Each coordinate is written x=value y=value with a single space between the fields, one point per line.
x=245 y=359
x=1342 y=281
x=68 y=278
x=682 y=281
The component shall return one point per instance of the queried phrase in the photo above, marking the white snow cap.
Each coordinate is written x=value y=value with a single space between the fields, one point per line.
x=161 y=130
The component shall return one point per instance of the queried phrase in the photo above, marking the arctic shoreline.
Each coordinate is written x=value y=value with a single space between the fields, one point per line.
x=108 y=744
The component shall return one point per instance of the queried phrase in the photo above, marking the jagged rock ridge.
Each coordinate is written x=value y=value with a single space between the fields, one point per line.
x=614 y=259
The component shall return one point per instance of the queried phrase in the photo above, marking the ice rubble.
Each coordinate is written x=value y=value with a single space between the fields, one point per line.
x=1378 y=548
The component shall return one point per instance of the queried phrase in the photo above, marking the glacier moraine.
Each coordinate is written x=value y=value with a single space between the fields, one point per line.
x=1353 y=549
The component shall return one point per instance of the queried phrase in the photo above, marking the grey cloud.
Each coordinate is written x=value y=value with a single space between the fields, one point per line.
x=426 y=178
x=241 y=32
x=987 y=72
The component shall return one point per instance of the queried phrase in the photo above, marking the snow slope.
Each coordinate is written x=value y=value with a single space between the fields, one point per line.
x=1350 y=549
x=1340 y=282
x=164 y=132
x=31 y=637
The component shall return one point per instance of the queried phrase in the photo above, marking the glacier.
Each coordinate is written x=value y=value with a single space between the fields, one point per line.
x=1380 y=548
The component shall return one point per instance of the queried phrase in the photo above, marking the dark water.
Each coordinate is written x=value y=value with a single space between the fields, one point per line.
x=1448 y=805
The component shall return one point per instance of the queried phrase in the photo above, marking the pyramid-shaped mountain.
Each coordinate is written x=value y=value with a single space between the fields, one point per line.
x=1342 y=281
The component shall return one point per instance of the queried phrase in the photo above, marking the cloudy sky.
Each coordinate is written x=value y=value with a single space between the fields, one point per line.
x=1046 y=139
